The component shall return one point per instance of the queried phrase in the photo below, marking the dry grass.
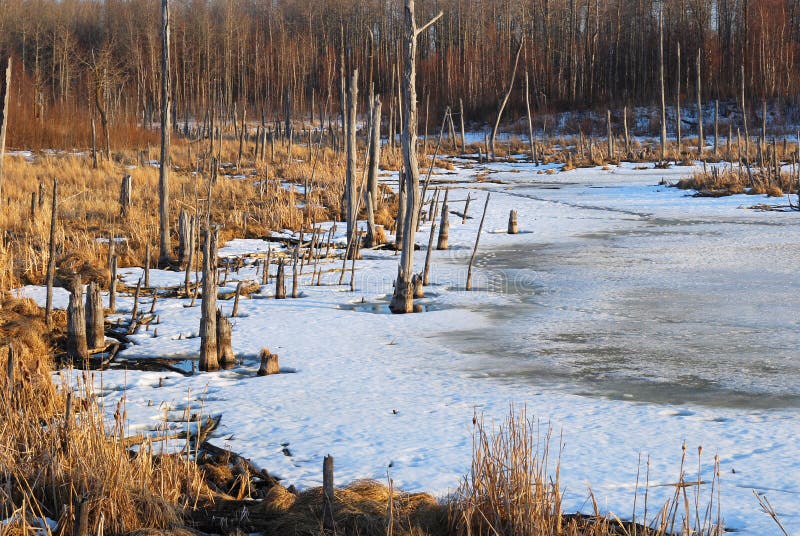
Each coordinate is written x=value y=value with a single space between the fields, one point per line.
x=730 y=180
x=50 y=461
x=513 y=488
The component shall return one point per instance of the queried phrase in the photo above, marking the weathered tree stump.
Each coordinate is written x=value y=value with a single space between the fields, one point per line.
x=327 y=495
x=95 y=317
x=444 y=227
x=269 y=363
x=280 y=283
x=419 y=292
x=225 y=355
x=77 y=350
x=125 y=193
x=513 y=227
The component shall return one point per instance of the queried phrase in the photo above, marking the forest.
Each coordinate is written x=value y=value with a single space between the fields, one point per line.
x=76 y=58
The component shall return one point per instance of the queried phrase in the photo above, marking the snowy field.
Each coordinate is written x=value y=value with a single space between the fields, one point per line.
x=628 y=316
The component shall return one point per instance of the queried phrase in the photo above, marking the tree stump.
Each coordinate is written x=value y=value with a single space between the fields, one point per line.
x=269 y=363
x=327 y=495
x=513 y=227
x=125 y=192
x=225 y=355
x=77 y=350
x=280 y=284
x=444 y=227
x=95 y=317
x=416 y=281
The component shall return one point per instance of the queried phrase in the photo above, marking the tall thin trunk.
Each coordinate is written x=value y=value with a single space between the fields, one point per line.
x=5 y=91
x=164 y=255
x=350 y=178
x=403 y=298
x=663 y=96
x=700 y=140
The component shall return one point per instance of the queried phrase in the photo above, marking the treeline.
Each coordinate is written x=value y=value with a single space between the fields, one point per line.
x=270 y=57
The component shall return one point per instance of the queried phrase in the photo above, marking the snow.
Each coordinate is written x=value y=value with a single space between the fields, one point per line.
x=590 y=317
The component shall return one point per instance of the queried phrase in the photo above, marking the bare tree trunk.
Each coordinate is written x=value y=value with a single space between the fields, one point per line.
x=403 y=297
x=208 y=307
x=95 y=317
x=663 y=96
x=51 y=260
x=700 y=140
x=461 y=117
x=372 y=177
x=5 y=92
x=350 y=177
x=444 y=228
x=530 y=119
x=125 y=193
x=112 y=286
x=678 y=139
x=744 y=119
x=505 y=99
x=164 y=254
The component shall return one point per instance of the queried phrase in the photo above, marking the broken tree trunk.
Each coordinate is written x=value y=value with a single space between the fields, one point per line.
x=125 y=191
x=269 y=363
x=95 y=317
x=208 y=307
x=77 y=350
x=280 y=283
x=112 y=286
x=444 y=227
x=51 y=260
x=225 y=356
x=513 y=227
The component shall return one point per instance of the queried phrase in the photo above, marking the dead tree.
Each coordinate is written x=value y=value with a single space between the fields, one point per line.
x=505 y=99
x=280 y=283
x=164 y=254
x=444 y=228
x=700 y=141
x=530 y=119
x=95 y=317
x=661 y=78
x=225 y=356
x=125 y=191
x=77 y=350
x=403 y=297
x=372 y=176
x=51 y=259
x=208 y=307
x=112 y=286
x=350 y=177
x=5 y=91
x=184 y=235
x=269 y=363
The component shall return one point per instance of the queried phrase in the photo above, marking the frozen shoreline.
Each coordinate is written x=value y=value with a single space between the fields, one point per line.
x=374 y=389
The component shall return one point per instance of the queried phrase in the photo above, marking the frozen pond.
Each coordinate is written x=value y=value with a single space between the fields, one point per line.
x=664 y=308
